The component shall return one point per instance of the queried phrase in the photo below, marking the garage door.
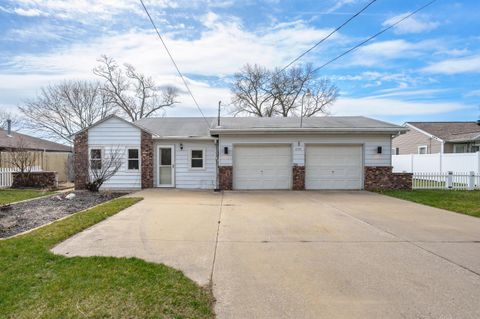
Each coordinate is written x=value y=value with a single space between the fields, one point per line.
x=333 y=167
x=262 y=167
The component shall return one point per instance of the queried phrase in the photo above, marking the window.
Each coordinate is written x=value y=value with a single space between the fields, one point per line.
x=96 y=158
x=460 y=148
x=422 y=150
x=475 y=148
x=196 y=159
x=133 y=159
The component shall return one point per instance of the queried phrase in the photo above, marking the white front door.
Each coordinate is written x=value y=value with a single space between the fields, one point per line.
x=262 y=167
x=334 y=167
x=166 y=166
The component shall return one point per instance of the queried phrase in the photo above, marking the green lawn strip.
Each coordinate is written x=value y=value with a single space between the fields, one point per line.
x=8 y=196
x=465 y=202
x=34 y=283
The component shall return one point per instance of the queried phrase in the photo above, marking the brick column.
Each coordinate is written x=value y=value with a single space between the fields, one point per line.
x=225 y=177
x=298 y=178
x=147 y=159
x=80 y=159
x=382 y=178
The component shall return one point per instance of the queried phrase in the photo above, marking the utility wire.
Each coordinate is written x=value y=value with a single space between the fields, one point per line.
x=374 y=36
x=174 y=63
x=328 y=36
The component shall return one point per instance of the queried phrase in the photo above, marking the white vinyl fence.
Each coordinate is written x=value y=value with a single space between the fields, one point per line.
x=437 y=163
x=6 y=178
x=449 y=180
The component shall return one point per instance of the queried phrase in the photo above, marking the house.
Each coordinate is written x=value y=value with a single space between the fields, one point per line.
x=438 y=137
x=47 y=155
x=253 y=153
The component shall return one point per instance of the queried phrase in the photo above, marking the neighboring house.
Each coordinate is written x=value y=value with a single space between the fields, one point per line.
x=253 y=153
x=49 y=156
x=438 y=137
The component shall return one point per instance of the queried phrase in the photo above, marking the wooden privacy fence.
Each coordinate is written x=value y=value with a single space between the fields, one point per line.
x=6 y=178
x=47 y=161
x=449 y=180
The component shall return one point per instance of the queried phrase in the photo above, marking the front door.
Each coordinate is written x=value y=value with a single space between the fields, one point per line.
x=166 y=166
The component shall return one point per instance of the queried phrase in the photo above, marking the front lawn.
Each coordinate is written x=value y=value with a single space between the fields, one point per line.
x=34 y=283
x=8 y=196
x=465 y=202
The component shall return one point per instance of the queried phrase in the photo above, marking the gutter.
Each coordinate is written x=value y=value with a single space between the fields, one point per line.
x=196 y=138
x=383 y=130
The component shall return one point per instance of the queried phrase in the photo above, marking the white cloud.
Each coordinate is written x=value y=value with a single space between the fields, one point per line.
x=381 y=52
x=469 y=64
x=339 y=4
x=220 y=50
x=414 y=24
x=372 y=106
x=31 y=12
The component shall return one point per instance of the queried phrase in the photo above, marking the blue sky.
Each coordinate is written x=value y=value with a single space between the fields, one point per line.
x=427 y=68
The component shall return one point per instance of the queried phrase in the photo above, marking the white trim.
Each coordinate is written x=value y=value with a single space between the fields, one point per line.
x=190 y=158
x=422 y=146
x=172 y=147
x=127 y=148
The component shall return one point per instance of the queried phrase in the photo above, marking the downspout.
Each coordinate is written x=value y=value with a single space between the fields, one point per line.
x=217 y=163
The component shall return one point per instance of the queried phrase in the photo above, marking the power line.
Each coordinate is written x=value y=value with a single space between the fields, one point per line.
x=374 y=36
x=328 y=36
x=174 y=63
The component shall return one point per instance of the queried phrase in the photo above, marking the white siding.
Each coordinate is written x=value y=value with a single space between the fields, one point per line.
x=370 y=143
x=113 y=134
x=186 y=177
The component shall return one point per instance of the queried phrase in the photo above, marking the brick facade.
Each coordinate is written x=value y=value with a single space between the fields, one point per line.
x=80 y=158
x=225 y=177
x=382 y=178
x=298 y=178
x=35 y=179
x=147 y=159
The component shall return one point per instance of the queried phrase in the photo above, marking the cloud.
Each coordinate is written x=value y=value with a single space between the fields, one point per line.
x=221 y=49
x=32 y=12
x=414 y=24
x=381 y=52
x=470 y=64
x=372 y=106
x=339 y=4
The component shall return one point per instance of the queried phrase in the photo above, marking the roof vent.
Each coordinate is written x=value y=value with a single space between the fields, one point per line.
x=9 y=127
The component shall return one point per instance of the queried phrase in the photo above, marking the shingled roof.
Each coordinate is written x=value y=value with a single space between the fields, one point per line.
x=450 y=131
x=30 y=142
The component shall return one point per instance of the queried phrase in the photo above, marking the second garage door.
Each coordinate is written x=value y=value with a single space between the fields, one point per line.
x=262 y=167
x=333 y=167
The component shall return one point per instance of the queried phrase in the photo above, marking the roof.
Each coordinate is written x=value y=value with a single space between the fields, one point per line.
x=30 y=142
x=196 y=127
x=177 y=126
x=450 y=131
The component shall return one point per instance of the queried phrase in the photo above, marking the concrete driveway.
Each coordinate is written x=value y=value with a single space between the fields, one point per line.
x=303 y=254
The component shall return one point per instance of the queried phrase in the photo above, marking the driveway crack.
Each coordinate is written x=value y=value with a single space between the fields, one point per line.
x=216 y=241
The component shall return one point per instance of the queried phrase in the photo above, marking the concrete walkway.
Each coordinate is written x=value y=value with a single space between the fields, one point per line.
x=303 y=254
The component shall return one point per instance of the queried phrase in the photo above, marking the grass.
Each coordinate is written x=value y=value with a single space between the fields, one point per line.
x=8 y=196
x=34 y=283
x=465 y=202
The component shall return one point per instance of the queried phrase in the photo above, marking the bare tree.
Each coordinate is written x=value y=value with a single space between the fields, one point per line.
x=66 y=108
x=260 y=92
x=320 y=95
x=134 y=93
x=252 y=92
x=22 y=158
x=17 y=121
x=103 y=166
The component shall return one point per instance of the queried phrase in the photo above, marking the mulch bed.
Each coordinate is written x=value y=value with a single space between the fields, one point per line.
x=17 y=218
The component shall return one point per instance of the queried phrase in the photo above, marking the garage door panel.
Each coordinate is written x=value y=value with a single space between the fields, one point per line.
x=262 y=167
x=333 y=167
